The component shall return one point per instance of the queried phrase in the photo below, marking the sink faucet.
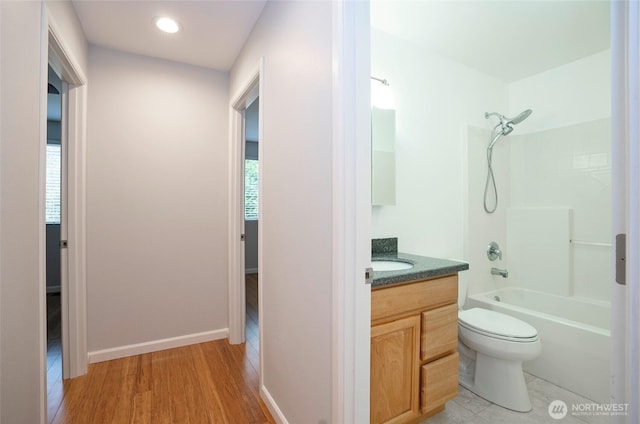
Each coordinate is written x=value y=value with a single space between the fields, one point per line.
x=497 y=271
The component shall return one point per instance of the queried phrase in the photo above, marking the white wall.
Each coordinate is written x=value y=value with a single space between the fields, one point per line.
x=251 y=246
x=63 y=16
x=156 y=203
x=53 y=258
x=20 y=122
x=296 y=168
x=574 y=93
x=564 y=159
x=436 y=99
x=20 y=212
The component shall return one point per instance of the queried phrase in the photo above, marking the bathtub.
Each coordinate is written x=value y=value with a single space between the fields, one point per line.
x=575 y=335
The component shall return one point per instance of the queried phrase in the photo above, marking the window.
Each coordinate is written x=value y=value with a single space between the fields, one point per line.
x=250 y=190
x=52 y=196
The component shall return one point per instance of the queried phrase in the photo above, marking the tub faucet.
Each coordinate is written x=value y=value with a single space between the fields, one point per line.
x=497 y=271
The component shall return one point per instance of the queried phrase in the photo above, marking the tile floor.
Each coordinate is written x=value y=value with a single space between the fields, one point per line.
x=468 y=408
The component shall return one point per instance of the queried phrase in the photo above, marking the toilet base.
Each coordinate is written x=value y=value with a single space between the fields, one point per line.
x=499 y=381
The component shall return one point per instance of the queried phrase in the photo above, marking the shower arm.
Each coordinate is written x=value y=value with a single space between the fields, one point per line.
x=502 y=118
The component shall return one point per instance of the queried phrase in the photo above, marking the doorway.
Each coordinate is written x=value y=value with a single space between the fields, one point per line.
x=63 y=246
x=251 y=224
x=54 y=212
x=245 y=203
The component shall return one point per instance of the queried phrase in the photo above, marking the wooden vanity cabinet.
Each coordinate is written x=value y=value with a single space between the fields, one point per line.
x=414 y=358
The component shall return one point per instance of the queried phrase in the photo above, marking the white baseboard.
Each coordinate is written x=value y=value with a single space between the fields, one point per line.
x=53 y=289
x=156 y=345
x=276 y=413
x=251 y=271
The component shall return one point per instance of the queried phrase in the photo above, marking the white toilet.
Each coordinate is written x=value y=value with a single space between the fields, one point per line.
x=492 y=347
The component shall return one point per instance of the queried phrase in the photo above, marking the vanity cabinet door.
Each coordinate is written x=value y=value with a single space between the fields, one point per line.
x=395 y=349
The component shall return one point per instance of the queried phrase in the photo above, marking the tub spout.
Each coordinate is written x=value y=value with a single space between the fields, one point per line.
x=497 y=271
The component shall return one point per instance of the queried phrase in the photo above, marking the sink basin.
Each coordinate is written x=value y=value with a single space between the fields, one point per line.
x=389 y=265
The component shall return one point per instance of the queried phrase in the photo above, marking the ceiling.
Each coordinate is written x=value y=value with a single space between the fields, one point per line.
x=508 y=39
x=212 y=31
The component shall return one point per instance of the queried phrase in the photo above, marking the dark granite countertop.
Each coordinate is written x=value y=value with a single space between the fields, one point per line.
x=423 y=267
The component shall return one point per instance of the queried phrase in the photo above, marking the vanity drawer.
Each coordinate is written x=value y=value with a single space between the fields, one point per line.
x=428 y=294
x=439 y=332
x=439 y=382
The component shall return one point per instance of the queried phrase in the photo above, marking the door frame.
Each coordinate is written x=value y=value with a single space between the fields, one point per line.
x=55 y=52
x=625 y=299
x=351 y=316
x=248 y=92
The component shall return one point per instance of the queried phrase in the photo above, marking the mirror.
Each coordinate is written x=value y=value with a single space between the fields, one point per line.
x=383 y=161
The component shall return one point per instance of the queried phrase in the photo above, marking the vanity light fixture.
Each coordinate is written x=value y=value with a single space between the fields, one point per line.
x=167 y=24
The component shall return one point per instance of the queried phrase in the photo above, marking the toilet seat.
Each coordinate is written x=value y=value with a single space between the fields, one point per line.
x=497 y=325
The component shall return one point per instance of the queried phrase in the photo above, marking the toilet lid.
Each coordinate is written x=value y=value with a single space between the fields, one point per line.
x=493 y=322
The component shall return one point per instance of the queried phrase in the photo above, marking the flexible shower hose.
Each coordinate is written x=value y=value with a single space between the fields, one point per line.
x=491 y=181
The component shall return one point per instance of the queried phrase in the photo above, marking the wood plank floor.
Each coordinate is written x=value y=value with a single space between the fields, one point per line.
x=251 y=327
x=54 y=354
x=212 y=382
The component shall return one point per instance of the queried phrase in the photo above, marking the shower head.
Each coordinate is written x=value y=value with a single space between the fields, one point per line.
x=524 y=115
x=506 y=124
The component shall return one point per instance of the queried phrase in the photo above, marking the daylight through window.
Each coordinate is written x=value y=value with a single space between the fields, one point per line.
x=52 y=199
x=250 y=190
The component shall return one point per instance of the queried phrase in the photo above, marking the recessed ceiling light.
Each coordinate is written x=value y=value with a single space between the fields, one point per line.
x=167 y=25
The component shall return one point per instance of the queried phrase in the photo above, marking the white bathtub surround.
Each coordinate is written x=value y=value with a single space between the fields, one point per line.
x=544 y=171
x=567 y=167
x=574 y=333
x=539 y=242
